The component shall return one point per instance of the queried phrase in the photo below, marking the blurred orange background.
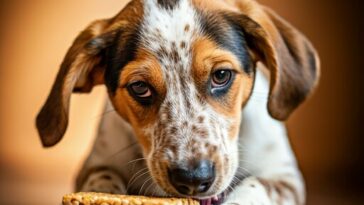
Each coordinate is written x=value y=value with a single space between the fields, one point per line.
x=327 y=132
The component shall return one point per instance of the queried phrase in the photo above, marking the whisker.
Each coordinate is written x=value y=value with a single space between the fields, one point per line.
x=136 y=160
x=141 y=188
x=240 y=169
x=238 y=180
x=136 y=179
x=231 y=188
x=147 y=189
x=153 y=194
x=135 y=175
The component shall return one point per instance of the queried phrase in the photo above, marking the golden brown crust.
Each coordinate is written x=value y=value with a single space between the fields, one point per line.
x=89 y=198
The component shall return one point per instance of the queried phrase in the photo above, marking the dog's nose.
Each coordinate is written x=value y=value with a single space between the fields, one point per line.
x=194 y=179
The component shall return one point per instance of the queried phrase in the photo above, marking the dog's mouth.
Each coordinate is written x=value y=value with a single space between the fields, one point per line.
x=215 y=200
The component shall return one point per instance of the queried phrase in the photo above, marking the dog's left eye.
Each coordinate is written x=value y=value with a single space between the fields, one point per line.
x=220 y=82
x=221 y=78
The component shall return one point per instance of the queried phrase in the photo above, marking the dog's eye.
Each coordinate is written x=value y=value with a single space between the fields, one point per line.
x=221 y=78
x=140 y=89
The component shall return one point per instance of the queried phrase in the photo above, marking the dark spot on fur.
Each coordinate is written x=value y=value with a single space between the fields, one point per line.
x=201 y=99
x=187 y=28
x=202 y=133
x=173 y=148
x=173 y=131
x=168 y=104
x=212 y=149
x=200 y=119
x=162 y=52
x=185 y=124
x=168 y=4
x=183 y=45
x=175 y=55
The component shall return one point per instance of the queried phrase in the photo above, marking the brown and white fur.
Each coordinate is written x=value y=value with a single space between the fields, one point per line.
x=175 y=46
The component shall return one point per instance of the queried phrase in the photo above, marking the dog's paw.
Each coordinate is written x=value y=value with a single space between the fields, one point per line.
x=105 y=182
x=250 y=192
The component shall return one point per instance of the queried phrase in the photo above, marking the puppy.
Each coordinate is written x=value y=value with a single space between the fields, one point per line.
x=199 y=88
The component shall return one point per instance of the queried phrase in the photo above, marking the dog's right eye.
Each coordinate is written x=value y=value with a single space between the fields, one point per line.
x=141 y=91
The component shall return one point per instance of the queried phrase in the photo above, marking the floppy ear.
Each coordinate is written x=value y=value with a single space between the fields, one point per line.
x=82 y=68
x=290 y=57
x=297 y=68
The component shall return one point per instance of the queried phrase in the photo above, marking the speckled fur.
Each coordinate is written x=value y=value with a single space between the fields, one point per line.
x=187 y=127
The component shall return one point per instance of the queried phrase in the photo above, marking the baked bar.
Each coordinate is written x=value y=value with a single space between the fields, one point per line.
x=89 y=198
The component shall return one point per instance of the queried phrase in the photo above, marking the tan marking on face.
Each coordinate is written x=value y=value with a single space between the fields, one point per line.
x=208 y=57
x=144 y=68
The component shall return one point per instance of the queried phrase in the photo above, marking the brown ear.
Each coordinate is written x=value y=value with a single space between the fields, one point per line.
x=290 y=57
x=80 y=71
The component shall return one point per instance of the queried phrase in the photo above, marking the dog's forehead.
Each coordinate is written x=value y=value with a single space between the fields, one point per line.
x=169 y=28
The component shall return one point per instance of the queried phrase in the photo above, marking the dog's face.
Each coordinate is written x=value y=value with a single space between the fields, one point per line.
x=179 y=72
x=183 y=91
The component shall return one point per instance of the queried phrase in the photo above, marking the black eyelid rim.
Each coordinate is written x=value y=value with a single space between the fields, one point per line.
x=126 y=85
x=139 y=81
x=215 y=69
